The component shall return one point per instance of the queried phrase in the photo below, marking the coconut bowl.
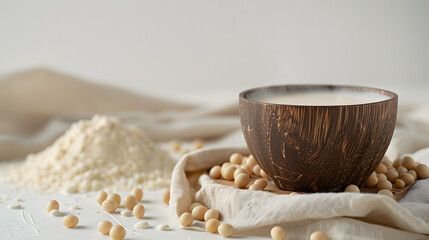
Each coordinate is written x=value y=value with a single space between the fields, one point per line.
x=317 y=148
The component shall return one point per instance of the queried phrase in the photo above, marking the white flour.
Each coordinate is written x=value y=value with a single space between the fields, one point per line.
x=95 y=154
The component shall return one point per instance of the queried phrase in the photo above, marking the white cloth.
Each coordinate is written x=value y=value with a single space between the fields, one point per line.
x=39 y=105
x=247 y=210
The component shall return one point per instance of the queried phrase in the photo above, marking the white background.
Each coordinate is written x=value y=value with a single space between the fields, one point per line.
x=192 y=48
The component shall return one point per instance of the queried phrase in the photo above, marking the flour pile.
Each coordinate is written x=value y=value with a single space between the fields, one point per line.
x=95 y=154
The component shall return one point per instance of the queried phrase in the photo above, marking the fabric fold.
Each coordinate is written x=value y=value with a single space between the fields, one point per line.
x=246 y=209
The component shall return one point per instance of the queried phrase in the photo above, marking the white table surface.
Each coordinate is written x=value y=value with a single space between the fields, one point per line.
x=33 y=222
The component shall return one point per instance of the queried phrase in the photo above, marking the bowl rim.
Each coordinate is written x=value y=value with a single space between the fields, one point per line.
x=393 y=96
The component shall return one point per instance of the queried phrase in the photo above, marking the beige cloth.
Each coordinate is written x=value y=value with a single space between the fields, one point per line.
x=39 y=105
x=246 y=209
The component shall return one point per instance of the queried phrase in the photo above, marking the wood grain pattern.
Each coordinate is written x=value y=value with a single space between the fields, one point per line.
x=317 y=148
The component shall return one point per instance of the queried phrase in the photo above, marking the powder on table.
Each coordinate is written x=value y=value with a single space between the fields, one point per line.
x=95 y=154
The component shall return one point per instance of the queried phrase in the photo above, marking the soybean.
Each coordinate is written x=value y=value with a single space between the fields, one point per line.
x=278 y=233
x=372 y=180
x=210 y=214
x=412 y=172
x=130 y=201
x=352 y=188
x=401 y=170
x=319 y=236
x=228 y=173
x=392 y=175
x=186 y=219
x=409 y=163
x=257 y=170
x=261 y=182
x=109 y=205
x=215 y=172
x=226 y=230
x=104 y=227
x=70 y=221
x=212 y=225
x=381 y=176
x=381 y=168
x=198 y=212
x=384 y=184
x=115 y=197
x=248 y=168
x=241 y=180
x=166 y=197
x=138 y=211
x=117 y=232
x=422 y=171
x=255 y=187
x=52 y=205
x=396 y=163
x=399 y=183
x=101 y=196
x=236 y=158
x=386 y=161
x=407 y=178
x=138 y=193
x=240 y=170
x=251 y=161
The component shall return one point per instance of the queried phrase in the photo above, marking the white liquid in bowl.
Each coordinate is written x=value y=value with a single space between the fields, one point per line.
x=318 y=97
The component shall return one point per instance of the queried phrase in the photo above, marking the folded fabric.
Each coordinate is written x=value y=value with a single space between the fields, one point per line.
x=246 y=209
x=37 y=106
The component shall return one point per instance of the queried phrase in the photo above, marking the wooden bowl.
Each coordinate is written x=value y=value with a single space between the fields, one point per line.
x=317 y=148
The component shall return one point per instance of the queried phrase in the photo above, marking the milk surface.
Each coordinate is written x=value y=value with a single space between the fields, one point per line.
x=318 y=97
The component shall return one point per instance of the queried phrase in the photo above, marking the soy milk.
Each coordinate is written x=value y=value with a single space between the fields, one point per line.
x=318 y=97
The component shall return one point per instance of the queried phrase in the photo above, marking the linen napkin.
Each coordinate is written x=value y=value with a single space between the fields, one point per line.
x=247 y=210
